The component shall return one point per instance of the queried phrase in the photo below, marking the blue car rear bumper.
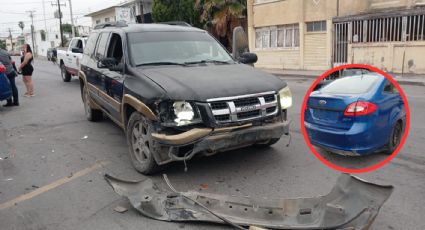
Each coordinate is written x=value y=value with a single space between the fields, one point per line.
x=358 y=140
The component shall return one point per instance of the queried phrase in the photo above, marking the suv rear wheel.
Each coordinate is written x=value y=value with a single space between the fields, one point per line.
x=66 y=77
x=91 y=114
x=139 y=138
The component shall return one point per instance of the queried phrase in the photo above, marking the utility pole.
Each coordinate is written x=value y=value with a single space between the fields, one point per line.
x=72 y=19
x=60 y=20
x=11 y=39
x=44 y=17
x=31 y=12
x=142 y=17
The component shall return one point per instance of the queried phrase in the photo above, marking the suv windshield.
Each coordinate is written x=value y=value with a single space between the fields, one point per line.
x=351 y=85
x=175 y=47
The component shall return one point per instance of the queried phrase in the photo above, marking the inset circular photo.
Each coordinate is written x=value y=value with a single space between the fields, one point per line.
x=355 y=118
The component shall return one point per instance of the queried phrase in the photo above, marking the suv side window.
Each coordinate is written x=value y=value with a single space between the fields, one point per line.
x=115 y=48
x=101 y=46
x=91 y=44
x=73 y=44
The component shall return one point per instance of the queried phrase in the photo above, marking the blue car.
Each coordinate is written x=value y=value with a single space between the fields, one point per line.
x=356 y=115
x=5 y=90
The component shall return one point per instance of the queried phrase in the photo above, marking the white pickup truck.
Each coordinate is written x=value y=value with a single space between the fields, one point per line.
x=69 y=59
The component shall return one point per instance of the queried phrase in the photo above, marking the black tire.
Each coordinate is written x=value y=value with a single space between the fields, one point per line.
x=269 y=143
x=140 y=144
x=395 y=138
x=66 y=77
x=91 y=114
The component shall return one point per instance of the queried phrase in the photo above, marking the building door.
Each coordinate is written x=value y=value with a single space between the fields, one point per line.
x=340 y=43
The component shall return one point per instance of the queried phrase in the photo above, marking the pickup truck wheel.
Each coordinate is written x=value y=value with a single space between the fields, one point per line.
x=66 y=77
x=91 y=114
x=395 y=138
x=139 y=138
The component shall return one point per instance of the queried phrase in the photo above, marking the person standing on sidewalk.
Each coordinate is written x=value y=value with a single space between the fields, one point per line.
x=11 y=75
x=27 y=69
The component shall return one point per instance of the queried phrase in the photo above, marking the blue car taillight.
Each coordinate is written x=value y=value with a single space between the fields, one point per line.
x=360 y=108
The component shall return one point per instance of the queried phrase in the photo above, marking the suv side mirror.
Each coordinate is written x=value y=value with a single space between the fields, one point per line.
x=248 y=58
x=77 y=50
x=110 y=63
x=106 y=63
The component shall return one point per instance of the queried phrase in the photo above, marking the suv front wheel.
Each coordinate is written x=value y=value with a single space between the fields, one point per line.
x=91 y=114
x=139 y=138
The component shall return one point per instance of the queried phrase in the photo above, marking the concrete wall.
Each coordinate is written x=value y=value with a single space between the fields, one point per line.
x=389 y=56
x=315 y=50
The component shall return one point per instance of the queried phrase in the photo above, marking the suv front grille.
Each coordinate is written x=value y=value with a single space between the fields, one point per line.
x=244 y=108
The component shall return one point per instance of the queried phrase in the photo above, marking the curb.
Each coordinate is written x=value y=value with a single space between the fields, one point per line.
x=401 y=82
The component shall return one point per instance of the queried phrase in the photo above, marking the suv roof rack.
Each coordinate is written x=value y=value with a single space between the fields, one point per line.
x=176 y=23
x=111 y=24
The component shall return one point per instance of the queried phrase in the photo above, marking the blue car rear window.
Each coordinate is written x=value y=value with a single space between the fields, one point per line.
x=351 y=85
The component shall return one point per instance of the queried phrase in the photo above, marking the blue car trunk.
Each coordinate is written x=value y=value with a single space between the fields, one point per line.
x=328 y=110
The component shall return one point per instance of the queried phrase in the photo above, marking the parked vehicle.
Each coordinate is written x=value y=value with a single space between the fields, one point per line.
x=178 y=93
x=51 y=54
x=69 y=60
x=356 y=115
x=5 y=90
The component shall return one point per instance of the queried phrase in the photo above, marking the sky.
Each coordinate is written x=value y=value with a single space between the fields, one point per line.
x=13 y=11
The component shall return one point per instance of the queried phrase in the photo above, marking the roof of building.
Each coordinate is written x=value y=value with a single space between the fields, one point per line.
x=94 y=13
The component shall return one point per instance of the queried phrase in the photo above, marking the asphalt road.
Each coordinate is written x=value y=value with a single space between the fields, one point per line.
x=53 y=161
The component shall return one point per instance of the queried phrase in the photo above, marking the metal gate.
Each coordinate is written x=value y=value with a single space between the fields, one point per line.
x=340 y=42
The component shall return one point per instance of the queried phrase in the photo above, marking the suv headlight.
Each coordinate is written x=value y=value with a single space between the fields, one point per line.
x=184 y=113
x=285 y=98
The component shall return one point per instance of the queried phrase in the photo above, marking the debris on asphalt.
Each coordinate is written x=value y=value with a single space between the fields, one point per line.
x=352 y=204
x=9 y=179
x=70 y=175
x=85 y=137
x=120 y=209
x=204 y=186
x=53 y=150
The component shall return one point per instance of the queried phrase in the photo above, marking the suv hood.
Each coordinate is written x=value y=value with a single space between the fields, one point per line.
x=200 y=83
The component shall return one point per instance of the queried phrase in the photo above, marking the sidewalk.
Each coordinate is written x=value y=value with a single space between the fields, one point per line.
x=407 y=79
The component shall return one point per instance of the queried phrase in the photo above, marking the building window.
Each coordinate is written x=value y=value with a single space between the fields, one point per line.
x=318 y=26
x=106 y=19
x=97 y=22
x=285 y=36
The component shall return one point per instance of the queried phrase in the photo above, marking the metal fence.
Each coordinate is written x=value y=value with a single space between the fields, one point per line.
x=384 y=29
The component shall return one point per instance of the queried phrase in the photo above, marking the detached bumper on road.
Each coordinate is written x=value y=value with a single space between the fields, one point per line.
x=220 y=139
x=352 y=204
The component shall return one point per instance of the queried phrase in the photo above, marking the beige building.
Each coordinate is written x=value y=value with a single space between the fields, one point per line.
x=136 y=9
x=320 y=34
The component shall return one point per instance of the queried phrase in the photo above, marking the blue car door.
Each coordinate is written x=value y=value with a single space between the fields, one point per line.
x=391 y=109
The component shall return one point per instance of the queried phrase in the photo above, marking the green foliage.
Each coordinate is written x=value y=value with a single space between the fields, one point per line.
x=2 y=44
x=176 y=10
x=66 y=28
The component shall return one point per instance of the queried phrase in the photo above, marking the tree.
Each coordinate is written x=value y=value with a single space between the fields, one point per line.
x=2 y=44
x=22 y=26
x=176 y=10
x=222 y=16
x=67 y=28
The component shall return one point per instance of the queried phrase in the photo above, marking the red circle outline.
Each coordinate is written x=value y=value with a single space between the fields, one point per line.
x=370 y=168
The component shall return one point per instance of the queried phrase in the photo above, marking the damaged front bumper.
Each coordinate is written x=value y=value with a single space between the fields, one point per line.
x=352 y=204
x=210 y=141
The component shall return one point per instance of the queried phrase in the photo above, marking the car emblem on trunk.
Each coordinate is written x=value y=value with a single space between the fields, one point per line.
x=322 y=102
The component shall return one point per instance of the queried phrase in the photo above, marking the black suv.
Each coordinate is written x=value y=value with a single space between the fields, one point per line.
x=178 y=93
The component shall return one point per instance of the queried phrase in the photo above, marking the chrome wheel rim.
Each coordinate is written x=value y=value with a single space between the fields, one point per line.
x=141 y=141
